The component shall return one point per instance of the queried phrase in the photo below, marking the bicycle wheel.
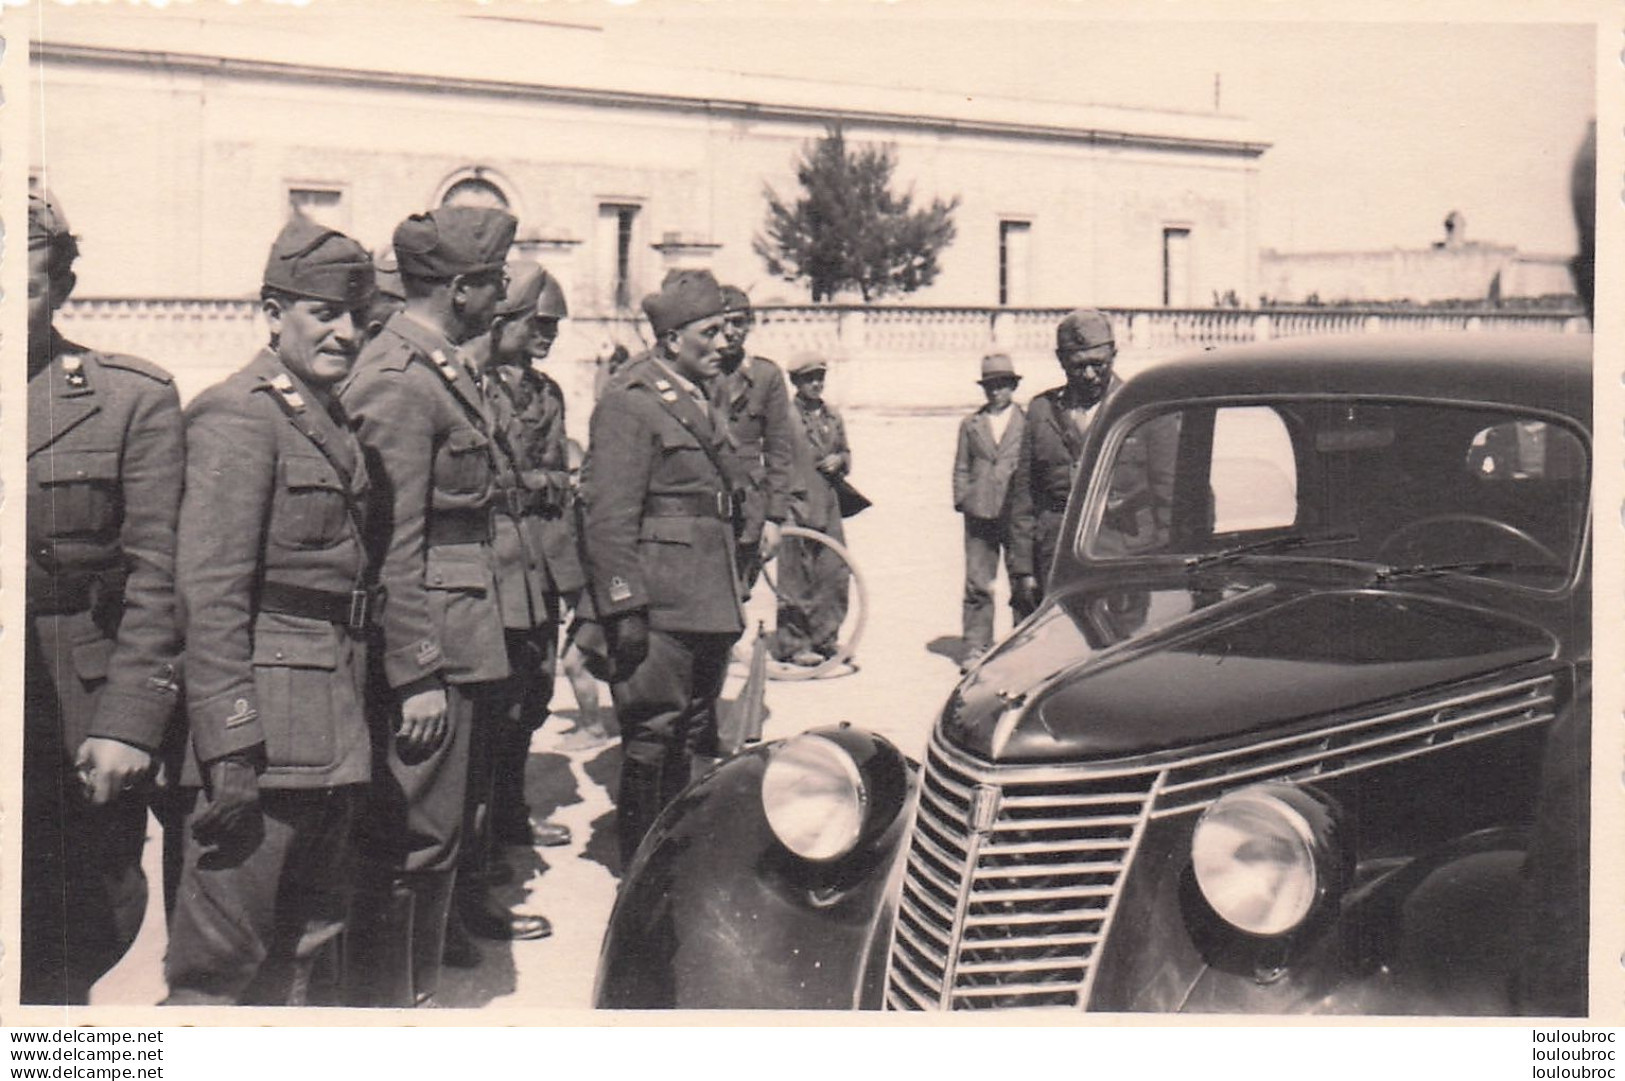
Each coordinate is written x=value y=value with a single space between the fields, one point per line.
x=807 y=603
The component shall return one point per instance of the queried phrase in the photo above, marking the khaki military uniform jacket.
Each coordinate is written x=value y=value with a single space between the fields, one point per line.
x=1051 y=444
x=543 y=445
x=659 y=530
x=756 y=404
x=276 y=491
x=521 y=570
x=427 y=436
x=104 y=489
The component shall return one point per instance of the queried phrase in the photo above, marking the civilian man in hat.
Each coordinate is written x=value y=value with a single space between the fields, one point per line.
x=501 y=735
x=101 y=640
x=812 y=579
x=660 y=537
x=278 y=594
x=989 y=446
x=751 y=395
x=1051 y=444
x=426 y=432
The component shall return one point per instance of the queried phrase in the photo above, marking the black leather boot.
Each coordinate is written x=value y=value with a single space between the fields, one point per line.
x=430 y=910
x=377 y=961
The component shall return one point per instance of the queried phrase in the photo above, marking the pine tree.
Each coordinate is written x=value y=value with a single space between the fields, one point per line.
x=850 y=230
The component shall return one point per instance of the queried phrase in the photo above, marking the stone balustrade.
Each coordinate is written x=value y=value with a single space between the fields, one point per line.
x=882 y=356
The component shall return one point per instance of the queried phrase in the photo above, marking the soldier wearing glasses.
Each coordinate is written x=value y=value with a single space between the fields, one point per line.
x=427 y=435
x=100 y=656
x=275 y=585
x=1051 y=444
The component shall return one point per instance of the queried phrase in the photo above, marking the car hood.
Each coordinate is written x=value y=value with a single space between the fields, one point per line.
x=1106 y=674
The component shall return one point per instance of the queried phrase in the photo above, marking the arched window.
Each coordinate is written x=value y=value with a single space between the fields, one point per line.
x=475 y=191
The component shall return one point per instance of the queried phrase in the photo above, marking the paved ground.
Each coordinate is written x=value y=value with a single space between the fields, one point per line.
x=908 y=549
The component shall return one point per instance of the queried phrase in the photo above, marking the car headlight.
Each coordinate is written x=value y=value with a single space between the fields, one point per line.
x=815 y=798
x=1264 y=856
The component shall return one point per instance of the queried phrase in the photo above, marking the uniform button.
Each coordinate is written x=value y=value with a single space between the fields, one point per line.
x=279 y=654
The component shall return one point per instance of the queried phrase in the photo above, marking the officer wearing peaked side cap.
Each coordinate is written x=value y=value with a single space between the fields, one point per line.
x=660 y=536
x=425 y=429
x=1051 y=443
x=101 y=650
x=277 y=592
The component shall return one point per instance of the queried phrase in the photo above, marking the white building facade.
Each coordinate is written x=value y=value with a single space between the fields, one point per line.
x=179 y=139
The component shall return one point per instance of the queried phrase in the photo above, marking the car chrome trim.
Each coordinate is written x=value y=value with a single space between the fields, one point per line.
x=1037 y=893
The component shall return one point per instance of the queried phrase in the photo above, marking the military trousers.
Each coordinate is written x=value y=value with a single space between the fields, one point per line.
x=985 y=538
x=668 y=713
x=414 y=817
x=813 y=585
x=83 y=891
x=255 y=908
x=522 y=707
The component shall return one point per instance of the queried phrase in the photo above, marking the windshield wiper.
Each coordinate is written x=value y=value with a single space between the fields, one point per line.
x=1269 y=546
x=1468 y=567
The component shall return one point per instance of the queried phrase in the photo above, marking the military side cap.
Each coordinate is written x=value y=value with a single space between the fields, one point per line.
x=1085 y=328
x=310 y=260
x=387 y=274
x=451 y=240
x=46 y=221
x=998 y=366
x=735 y=299
x=805 y=364
x=685 y=295
x=525 y=280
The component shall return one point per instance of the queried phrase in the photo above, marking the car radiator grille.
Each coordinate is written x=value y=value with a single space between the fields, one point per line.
x=1009 y=914
x=1013 y=872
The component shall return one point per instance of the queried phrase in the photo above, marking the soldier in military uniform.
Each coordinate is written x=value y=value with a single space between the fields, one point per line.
x=527 y=325
x=426 y=433
x=750 y=394
x=276 y=589
x=660 y=538
x=101 y=641
x=813 y=580
x=1051 y=443
x=502 y=729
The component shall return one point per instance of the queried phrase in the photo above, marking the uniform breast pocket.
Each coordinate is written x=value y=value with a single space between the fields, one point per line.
x=302 y=701
x=311 y=508
x=77 y=495
x=463 y=465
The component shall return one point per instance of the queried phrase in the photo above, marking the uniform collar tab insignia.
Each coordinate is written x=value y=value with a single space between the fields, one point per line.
x=284 y=386
x=662 y=384
x=73 y=368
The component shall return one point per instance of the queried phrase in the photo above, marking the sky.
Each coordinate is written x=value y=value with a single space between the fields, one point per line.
x=1379 y=129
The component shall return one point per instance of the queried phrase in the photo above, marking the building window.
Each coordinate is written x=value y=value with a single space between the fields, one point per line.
x=325 y=206
x=1176 y=267
x=617 y=223
x=1015 y=245
x=475 y=191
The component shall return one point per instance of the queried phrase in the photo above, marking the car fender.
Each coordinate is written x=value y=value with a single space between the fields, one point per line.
x=716 y=913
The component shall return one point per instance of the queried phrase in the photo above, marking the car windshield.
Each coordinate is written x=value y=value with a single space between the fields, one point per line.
x=1416 y=490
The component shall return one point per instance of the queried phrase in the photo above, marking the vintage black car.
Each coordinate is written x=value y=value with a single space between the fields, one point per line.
x=1301 y=725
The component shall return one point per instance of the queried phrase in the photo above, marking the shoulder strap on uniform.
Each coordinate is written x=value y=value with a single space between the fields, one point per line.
x=133 y=364
x=666 y=395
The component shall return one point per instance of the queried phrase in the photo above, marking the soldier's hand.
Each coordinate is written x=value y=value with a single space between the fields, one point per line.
x=108 y=768
x=423 y=717
x=770 y=540
x=831 y=464
x=233 y=788
x=628 y=643
x=1023 y=594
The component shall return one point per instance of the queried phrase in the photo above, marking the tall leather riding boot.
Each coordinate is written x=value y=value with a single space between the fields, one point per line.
x=378 y=948
x=637 y=806
x=430 y=911
x=510 y=815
